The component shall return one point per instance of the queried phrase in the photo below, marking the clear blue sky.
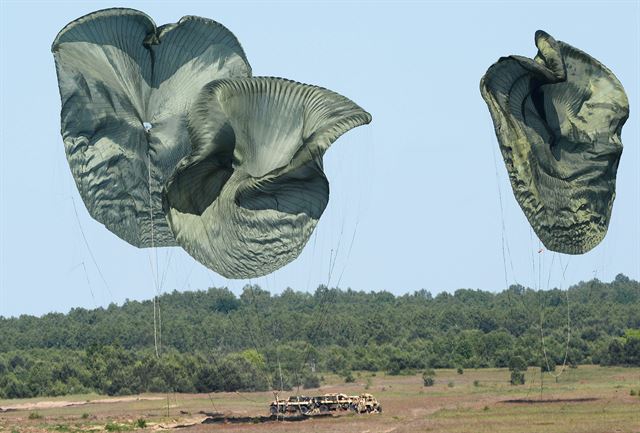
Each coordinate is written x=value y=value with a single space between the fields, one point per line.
x=417 y=190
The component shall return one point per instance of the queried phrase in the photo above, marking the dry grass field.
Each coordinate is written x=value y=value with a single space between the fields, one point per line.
x=588 y=399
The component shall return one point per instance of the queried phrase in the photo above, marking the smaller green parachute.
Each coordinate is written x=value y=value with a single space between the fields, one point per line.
x=558 y=119
x=248 y=197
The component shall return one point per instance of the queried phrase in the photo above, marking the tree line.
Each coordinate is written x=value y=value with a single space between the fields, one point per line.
x=214 y=340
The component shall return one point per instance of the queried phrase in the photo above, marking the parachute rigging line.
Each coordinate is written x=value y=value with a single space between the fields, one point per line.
x=313 y=254
x=506 y=250
x=86 y=274
x=157 y=320
x=86 y=243
x=353 y=238
x=252 y=338
x=537 y=282
x=166 y=268
x=324 y=306
x=544 y=349
x=505 y=240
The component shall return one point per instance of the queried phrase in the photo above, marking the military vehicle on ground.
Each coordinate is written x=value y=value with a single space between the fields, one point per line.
x=294 y=404
x=366 y=403
x=333 y=402
x=300 y=404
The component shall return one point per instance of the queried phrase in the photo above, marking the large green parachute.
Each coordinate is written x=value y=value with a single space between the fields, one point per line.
x=558 y=119
x=171 y=142
x=126 y=88
x=245 y=202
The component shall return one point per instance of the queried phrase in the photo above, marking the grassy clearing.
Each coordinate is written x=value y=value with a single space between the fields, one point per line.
x=475 y=403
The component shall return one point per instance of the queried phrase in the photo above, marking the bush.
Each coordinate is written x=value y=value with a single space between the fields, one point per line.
x=428 y=377
x=348 y=378
x=632 y=392
x=450 y=384
x=460 y=370
x=476 y=383
x=115 y=427
x=141 y=423
x=517 y=377
x=35 y=415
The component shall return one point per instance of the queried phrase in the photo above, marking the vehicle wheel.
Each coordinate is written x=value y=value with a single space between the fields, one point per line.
x=345 y=406
x=273 y=410
x=324 y=408
x=379 y=409
x=304 y=410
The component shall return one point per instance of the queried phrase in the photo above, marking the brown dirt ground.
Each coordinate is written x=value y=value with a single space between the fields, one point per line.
x=588 y=399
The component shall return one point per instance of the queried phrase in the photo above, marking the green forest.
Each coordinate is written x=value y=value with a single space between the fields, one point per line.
x=213 y=340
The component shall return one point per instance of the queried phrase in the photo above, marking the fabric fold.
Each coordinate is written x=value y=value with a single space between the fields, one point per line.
x=245 y=202
x=126 y=87
x=558 y=120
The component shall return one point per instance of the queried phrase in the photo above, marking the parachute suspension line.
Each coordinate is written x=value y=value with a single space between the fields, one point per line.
x=86 y=243
x=252 y=337
x=86 y=274
x=313 y=254
x=279 y=366
x=353 y=238
x=157 y=332
x=540 y=264
x=166 y=268
x=568 y=340
x=319 y=311
x=504 y=238
x=506 y=250
x=323 y=308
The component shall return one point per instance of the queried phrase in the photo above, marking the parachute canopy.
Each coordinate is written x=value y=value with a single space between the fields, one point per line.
x=171 y=142
x=245 y=202
x=558 y=119
x=126 y=88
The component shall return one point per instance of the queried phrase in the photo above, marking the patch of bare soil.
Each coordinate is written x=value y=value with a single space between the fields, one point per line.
x=63 y=403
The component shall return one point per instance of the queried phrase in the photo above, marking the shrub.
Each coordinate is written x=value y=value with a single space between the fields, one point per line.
x=428 y=380
x=115 y=427
x=517 y=377
x=450 y=384
x=35 y=415
x=428 y=377
x=476 y=383
x=460 y=370
x=141 y=423
x=348 y=378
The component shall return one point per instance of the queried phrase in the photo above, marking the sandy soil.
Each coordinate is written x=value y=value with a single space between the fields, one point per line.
x=589 y=399
x=40 y=405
